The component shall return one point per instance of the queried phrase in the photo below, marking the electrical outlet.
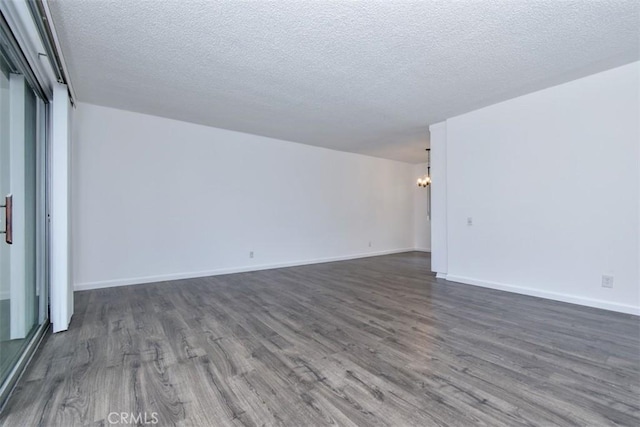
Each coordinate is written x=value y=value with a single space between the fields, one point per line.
x=251 y=254
x=469 y=221
x=607 y=281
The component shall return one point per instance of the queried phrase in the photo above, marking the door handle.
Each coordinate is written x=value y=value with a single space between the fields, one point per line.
x=8 y=219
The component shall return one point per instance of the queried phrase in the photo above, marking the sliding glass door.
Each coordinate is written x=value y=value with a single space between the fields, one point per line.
x=23 y=300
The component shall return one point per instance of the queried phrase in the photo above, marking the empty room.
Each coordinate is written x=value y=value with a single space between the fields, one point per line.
x=319 y=212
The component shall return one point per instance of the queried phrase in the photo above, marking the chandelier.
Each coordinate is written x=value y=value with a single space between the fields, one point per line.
x=425 y=180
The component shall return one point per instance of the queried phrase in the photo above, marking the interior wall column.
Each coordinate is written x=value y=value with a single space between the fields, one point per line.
x=60 y=279
x=438 y=145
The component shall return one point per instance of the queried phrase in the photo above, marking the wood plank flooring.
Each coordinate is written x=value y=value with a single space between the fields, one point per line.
x=10 y=349
x=369 y=342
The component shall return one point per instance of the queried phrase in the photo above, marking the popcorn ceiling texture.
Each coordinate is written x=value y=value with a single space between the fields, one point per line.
x=360 y=76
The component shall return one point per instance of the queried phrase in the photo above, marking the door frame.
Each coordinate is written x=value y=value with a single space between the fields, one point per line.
x=42 y=168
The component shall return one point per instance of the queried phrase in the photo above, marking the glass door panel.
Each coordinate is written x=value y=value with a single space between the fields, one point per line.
x=20 y=189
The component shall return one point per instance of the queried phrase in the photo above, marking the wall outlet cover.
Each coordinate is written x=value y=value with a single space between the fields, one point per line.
x=607 y=281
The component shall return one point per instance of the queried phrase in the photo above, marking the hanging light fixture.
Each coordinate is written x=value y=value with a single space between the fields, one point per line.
x=425 y=181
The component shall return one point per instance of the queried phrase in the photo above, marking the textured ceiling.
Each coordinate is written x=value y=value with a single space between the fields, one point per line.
x=360 y=76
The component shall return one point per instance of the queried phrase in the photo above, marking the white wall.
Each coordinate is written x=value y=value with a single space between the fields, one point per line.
x=61 y=288
x=551 y=182
x=157 y=199
x=439 y=252
x=422 y=222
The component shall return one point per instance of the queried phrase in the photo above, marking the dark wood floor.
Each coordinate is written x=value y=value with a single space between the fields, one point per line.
x=10 y=349
x=369 y=342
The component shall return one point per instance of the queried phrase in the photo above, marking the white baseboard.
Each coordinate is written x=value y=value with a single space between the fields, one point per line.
x=441 y=276
x=573 y=299
x=191 y=275
x=422 y=250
